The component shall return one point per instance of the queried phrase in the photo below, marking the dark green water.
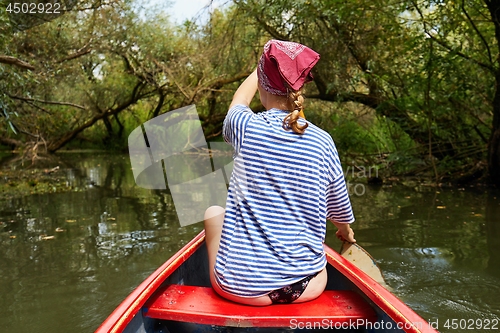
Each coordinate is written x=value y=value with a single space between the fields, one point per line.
x=68 y=259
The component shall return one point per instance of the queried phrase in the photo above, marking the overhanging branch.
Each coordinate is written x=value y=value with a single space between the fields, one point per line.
x=16 y=62
x=46 y=102
x=445 y=45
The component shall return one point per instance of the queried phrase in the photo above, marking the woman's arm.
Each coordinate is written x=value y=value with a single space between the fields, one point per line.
x=246 y=91
x=345 y=232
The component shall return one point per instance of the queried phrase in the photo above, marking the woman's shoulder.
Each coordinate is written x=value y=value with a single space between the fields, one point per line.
x=319 y=133
x=238 y=108
x=238 y=116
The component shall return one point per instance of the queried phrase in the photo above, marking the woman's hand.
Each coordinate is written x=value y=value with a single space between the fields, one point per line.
x=345 y=233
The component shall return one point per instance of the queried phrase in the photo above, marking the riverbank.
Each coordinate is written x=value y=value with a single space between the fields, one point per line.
x=53 y=173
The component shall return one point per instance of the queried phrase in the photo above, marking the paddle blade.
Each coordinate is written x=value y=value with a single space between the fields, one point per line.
x=364 y=261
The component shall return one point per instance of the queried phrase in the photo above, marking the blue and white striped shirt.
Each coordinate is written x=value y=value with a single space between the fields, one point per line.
x=283 y=188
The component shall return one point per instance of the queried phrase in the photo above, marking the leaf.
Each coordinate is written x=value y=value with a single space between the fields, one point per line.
x=12 y=127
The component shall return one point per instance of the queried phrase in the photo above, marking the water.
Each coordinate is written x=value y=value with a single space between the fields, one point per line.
x=439 y=251
x=68 y=259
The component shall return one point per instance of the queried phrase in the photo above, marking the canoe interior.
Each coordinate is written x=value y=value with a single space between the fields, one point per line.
x=194 y=272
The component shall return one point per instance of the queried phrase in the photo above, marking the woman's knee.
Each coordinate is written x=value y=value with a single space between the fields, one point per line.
x=214 y=220
x=214 y=213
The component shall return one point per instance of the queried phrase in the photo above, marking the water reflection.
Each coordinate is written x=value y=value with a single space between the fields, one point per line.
x=439 y=249
x=68 y=259
x=493 y=232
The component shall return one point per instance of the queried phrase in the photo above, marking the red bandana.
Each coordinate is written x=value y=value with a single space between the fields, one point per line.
x=285 y=64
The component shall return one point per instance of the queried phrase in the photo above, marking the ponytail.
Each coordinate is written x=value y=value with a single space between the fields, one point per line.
x=295 y=100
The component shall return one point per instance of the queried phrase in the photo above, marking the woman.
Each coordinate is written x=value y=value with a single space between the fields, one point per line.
x=267 y=245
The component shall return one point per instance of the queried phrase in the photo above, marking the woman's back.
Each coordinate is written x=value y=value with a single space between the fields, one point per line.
x=277 y=208
x=266 y=246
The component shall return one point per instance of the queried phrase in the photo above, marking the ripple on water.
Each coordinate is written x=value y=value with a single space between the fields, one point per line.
x=429 y=281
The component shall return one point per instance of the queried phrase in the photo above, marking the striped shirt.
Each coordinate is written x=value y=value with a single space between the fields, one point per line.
x=283 y=188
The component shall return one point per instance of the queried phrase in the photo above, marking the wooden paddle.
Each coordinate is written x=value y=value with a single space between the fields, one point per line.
x=364 y=261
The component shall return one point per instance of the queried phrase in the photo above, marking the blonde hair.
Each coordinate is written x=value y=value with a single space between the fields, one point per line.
x=295 y=101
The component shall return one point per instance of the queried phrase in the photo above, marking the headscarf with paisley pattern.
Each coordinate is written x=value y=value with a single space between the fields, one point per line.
x=285 y=65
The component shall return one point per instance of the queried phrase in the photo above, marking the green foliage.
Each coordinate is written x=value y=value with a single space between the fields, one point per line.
x=409 y=84
x=5 y=28
x=427 y=70
x=363 y=137
x=101 y=72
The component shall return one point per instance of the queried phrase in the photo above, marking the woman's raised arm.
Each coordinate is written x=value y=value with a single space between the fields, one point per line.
x=246 y=91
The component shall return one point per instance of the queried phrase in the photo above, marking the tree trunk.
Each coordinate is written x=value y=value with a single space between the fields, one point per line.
x=494 y=141
x=11 y=143
x=67 y=137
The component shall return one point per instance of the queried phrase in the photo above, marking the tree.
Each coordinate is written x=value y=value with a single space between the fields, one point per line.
x=470 y=31
x=388 y=57
x=99 y=69
x=427 y=70
x=494 y=141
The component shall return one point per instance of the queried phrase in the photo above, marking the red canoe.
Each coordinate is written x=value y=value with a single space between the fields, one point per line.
x=177 y=297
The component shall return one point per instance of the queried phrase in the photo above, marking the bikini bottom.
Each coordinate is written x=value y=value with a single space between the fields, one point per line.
x=290 y=293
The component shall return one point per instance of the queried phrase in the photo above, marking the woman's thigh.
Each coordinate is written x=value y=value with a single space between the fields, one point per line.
x=315 y=287
x=214 y=219
x=213 y=222
x=256 y=301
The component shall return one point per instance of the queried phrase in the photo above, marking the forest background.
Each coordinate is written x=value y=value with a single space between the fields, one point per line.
x=408 y=88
